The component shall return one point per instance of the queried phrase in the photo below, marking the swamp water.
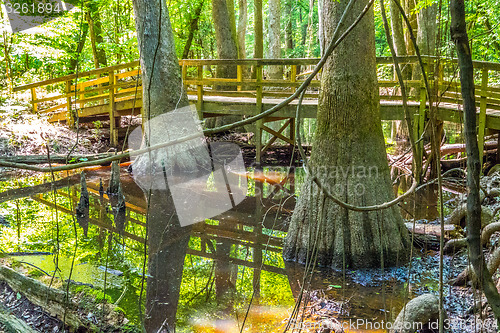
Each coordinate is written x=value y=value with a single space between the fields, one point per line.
x=216 y=288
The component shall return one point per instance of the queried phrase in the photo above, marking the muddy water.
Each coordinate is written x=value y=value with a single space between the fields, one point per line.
x=249 y=284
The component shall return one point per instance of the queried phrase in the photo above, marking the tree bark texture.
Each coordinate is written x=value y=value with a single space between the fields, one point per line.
x=288 y=26
x=258 y=30
x=461 y=40
x=274 y=35
x=398 y=36
x=96 y=35
x=349 y=158
x=193 y=26
x=242 y=27
x=162 y=92
x=226 y=40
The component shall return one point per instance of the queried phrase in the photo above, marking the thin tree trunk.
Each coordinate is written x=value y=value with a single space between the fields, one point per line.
x=412 y=17
x=461 y=40
x=288 y=27
x=242 y=28
x=258 y=30
x=6 y=51
x=96 y=36
x=397 y=30
x=310 y=29
x=79 y=48
x=193 y=26
x=321 y=38
x=274 y=34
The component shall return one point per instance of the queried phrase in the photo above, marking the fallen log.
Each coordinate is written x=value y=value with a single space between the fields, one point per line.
x=460 y=147
x=54 y=159
x=460 y=162
x=51 y=300
x=12 y=324
x=428 y=235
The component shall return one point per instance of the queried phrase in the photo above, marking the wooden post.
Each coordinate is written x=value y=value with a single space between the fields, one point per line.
x=184 y=76
x=258 y=109
x=199 y=102
x=293 y=76
x=239 y=75
x=33 y=99
x=70 y=117
x=482 y=114
x=113 y=131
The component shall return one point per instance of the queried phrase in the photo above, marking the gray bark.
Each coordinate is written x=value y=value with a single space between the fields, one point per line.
x=349 y=158
x=226 y=40
x=320 y=27
x=288 y=26
x=397 y=29
x=258 y=30
x=274 y=35
x=162 y=92
x=426 y=34
x=242 y=27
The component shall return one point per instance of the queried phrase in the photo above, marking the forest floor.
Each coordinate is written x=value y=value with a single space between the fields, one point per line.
x=22 y=133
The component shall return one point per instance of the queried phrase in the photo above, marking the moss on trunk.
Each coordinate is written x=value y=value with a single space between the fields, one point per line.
x=349 y=157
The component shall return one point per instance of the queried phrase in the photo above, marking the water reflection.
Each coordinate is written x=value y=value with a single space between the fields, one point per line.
x=202 y=278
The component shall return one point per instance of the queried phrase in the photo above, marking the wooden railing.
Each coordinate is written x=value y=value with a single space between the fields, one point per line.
x=116 y=90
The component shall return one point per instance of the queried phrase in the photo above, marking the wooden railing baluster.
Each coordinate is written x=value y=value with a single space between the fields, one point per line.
x=199 y=101
x=113 y=131
x=70 y=115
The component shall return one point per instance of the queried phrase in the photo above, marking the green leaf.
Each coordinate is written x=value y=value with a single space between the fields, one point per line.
x=18 y=296
x=336 y=286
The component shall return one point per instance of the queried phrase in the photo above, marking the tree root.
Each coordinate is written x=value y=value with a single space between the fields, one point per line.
x=455 y=244
x=466 y=275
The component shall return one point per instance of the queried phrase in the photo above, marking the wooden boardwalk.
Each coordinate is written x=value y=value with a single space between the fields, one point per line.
x=113 y=92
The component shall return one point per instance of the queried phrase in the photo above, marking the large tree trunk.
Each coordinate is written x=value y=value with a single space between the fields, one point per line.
x=227 y=48
x=349 y=158
x=274 y=34
x=162 y=92
x=226 y=40
x=426 y=34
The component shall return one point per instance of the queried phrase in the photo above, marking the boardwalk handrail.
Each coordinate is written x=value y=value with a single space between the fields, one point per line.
x=116 y=91
x=250 y=62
